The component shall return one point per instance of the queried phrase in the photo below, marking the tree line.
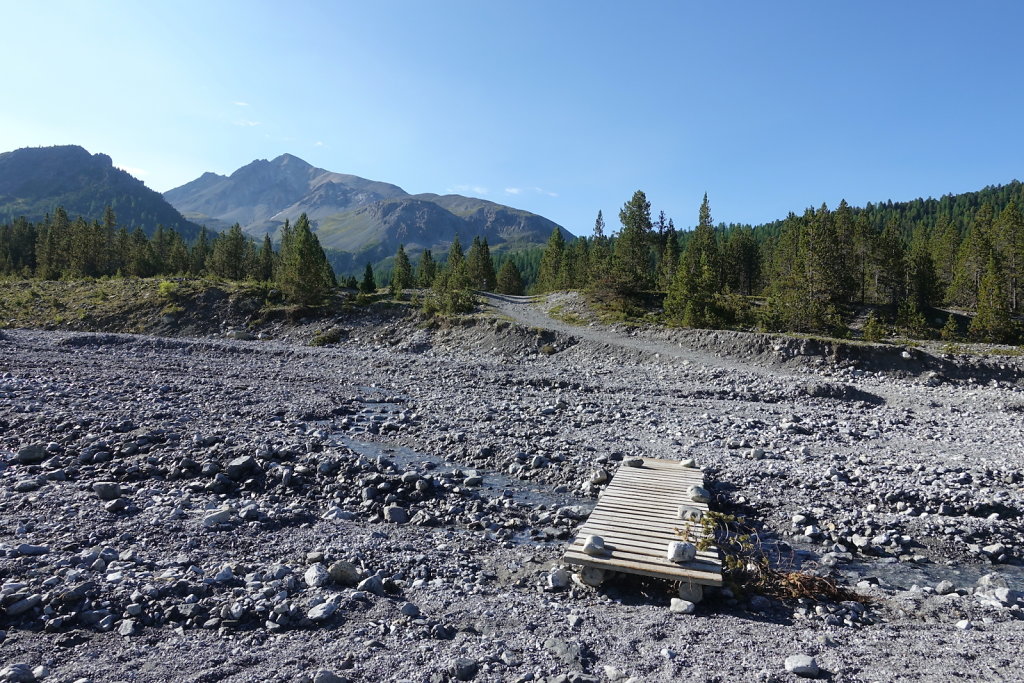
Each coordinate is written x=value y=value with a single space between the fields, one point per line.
x=58 y=247
x=811 y=272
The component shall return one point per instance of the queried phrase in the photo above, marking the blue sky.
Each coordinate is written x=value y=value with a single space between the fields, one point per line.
x=561 y=108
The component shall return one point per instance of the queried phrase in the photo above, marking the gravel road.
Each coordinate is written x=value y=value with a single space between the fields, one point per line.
x=393 y=507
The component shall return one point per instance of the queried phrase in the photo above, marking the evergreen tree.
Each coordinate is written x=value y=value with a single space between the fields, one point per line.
x=304 y=275
x=890 y=266
x=479 y=267
x=509 y=279
x=456 y=258
x=992 y=322
x=200 y=253
x=631 y=259
x=265 y=261
x=943 y=243
x=228 y=258
x=427 y=270
x=368 y=285
x=691 y=298
x=177 y=256
x=972 y=260
x=669 y=262
x=599 y=265
x=1008 y=240
x=549 y=278
x=401 y=275
x=921 y=281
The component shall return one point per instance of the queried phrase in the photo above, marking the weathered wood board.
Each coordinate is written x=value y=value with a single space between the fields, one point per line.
x=637 y=516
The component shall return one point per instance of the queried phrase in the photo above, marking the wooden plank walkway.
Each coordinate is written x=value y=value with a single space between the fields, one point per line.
x=637 y=516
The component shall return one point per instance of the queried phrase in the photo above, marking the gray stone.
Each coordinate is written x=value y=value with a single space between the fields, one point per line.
x=239 y=467
x=680 y=551
x=107 y=490
x=344 y=573
x=410 y=610
x=466 y=669
x=594 y=545
x=18 y=673
x=24 y=605
x=218 y=517
x=128 y=627
x=699 y=494
x=396 y=514
x=372 y=584
x=680 y=606
x=29 y=550
x=327 y=676
x=316 y=575
x=558 y=579
x=322 y=612
x=944 y=587
x=804 y=666
x=32 y=454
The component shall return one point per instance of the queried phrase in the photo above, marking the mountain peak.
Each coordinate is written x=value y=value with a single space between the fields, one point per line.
x=290 y=159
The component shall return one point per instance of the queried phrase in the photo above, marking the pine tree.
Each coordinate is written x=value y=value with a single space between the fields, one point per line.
x=401 y=274
x=943 y=243
x=368 y=285
x=992 y=322
x=691 y=298
x=509 y=279
x=200 y=253
x=890 y=266
x=972 y=259
x=455 y=256
x=265 y=261
x=549 y=278
x=921 y=281
x=304 y=274
x=599 y=266
x=1008 y=239
x=427 y=270
x=631 y=258
x=228 y=258
x=669 y=261
x=479 y=267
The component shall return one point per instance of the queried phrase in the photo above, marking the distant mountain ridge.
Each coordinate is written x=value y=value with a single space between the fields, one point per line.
x=365 y=218
x=34 y=181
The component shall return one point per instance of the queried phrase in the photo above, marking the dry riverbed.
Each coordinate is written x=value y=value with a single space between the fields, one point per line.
x=394 y=506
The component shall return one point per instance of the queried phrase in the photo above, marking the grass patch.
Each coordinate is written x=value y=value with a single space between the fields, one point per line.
x=559 y=313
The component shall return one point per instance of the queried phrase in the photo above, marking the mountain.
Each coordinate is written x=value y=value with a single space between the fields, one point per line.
x=364 y=218
x=34 y=181
x=261 y=195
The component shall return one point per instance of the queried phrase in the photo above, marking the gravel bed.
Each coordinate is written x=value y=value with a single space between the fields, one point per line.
x=394 y=507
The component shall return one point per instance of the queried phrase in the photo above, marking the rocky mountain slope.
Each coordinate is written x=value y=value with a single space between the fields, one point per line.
x=34 y=181
x=365 y=218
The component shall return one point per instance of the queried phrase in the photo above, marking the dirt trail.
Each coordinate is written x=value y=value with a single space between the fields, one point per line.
x=526 y=310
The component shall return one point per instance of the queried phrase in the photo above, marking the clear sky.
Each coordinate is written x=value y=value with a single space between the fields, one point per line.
x=555 y=106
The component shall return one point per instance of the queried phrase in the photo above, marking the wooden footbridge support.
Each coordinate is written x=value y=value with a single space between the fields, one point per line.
x=638 y=516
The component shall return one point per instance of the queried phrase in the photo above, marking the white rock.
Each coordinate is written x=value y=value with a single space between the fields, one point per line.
x=558 y=579
x=590 y=576
x=218 y=517
x=802 y=665
x=316 y=575
x=680 y=551
x=690 y=513
x=699 y=494
x=594 y=545
x=680 y=606
x=691 y=592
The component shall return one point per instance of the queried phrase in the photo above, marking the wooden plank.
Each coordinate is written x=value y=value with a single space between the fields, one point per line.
x=637 y=516
x=708 y=578
x=654 y=550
